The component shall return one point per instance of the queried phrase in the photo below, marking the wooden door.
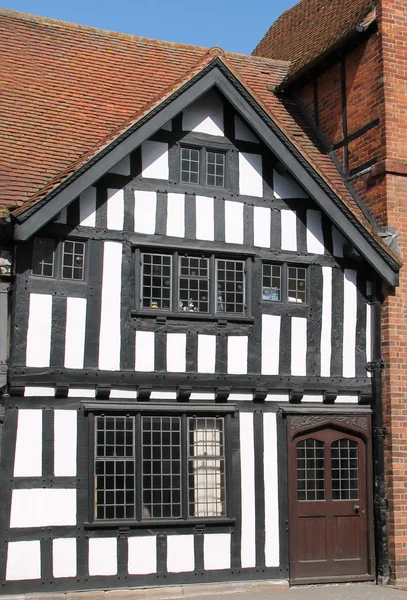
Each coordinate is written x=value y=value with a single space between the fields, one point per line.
x=329 y=510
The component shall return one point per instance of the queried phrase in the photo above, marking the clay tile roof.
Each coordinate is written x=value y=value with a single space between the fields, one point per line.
x=309 y=29
x=69 y=90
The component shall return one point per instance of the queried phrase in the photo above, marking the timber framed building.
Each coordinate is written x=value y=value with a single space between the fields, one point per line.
x=192 y=386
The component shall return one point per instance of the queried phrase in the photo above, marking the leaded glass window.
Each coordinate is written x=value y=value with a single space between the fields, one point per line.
x=230 y=285
x=156 y=281
x=310 y=470
x=344 y=465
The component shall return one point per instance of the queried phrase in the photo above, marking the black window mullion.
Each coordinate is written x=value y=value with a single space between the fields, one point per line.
x=184 y=466
x=138 y=466
x=247 y=286
x=175 y=281
x=91 y=469
x=212 y=285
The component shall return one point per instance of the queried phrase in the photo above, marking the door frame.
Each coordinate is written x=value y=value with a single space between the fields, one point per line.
x=358 y=425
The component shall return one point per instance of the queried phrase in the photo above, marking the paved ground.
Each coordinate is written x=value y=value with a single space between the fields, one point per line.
x=233 y=591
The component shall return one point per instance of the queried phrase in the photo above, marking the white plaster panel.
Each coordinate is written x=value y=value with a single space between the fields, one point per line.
x=347 y=399
x=64 y=557
x=288 y=230
x=233 y=222
x=277 y=397
x=205 y=115
x=286 y=187
x=349 y=322
x=176 y=352
x=167 y=126
x=242 y=132
x=116 y=393
x=122 y=167
x=312 y=397
x=250 y=174
x=142 y=555
x=180 y=553
x=205 y=220
x=262 y=226
x=62 y=217
x=270 y=344
x=145 y=208
x=115 y=209
x=103 y=556
x=74 y=392
x=28 y=453
x=240 y=397
x=42 y=507
x=270 y=470
x=338 y=241
x=161 y=395
x=176 y=215
x=326 y=323
x=217 y=551
x=65 y=441
x=145 y=352
x=39 y=330
x=154 y=160
x=75 y=333
x=315 y=237
x=202 y=396
x=110 y=317
x=298 y=346
x=38 y=390
x=23 y=560
x=237 y=354
x=87 y=207
x=368 y=326
x=206 y=353
x=248 y=504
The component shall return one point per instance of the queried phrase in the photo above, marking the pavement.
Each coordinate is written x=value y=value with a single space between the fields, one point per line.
x=260 y=590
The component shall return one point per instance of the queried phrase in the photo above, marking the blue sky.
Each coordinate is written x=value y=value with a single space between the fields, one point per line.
x=235 y=25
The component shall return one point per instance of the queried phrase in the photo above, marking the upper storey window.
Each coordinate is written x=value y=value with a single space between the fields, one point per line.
x=43 y=257
x=284 y=282
x=203 y=167
x=61 y=261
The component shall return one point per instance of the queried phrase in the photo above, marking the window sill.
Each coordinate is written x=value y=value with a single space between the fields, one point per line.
x=191 y=316
x=156 y=523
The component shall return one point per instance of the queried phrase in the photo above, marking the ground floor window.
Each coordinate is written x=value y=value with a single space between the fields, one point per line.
x=159 y=466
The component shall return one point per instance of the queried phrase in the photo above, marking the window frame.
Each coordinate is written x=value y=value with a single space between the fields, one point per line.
x=284 y=267
x=212 y=279
x=225 y=413
x=58 y=260
x=203 y=165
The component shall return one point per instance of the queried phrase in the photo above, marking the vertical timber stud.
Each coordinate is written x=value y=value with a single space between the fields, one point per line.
x=383 y=571
x=4 y=292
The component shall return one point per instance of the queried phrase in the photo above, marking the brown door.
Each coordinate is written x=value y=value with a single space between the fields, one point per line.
x=328 y=507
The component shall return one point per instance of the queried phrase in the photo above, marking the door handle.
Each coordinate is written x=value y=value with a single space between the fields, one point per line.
x=356 y=508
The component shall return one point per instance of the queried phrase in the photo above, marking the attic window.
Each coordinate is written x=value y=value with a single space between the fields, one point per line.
x=203 y=167
x=43 y=257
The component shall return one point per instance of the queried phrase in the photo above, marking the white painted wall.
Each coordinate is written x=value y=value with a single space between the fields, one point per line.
x=28 y=453
x=205 y=115
x=145 y=351
x=23 y=560
x=237 y=354
x=233 y=222
x=242 y=132
x=298 y=346
x=102 y=556
x=39 y=330
x=262 y=226
x=142 y=555
x=270 y=344
x=176 y=352
x=205 y=220
x=65 y=442
x=180 y=553
x=248 y=506
x=349 y=322
x=64 y=557
x=87 y=207
x=315 y=237
x=250 y=174
x=217 y=551
x=206 y=353
x=145 y=207
x=176 y=215
x=122 y=167
x=154 y=160
x=115 y=209
x=42 y=507
x=75 y=333
x=39 y=390
x=326 y=324
x=338 y=241
x=110 y=318
x=288 y=230
x=271 y=510
x=285 y=187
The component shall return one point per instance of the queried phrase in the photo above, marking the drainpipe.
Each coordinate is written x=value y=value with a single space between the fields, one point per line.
x=383 y=569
